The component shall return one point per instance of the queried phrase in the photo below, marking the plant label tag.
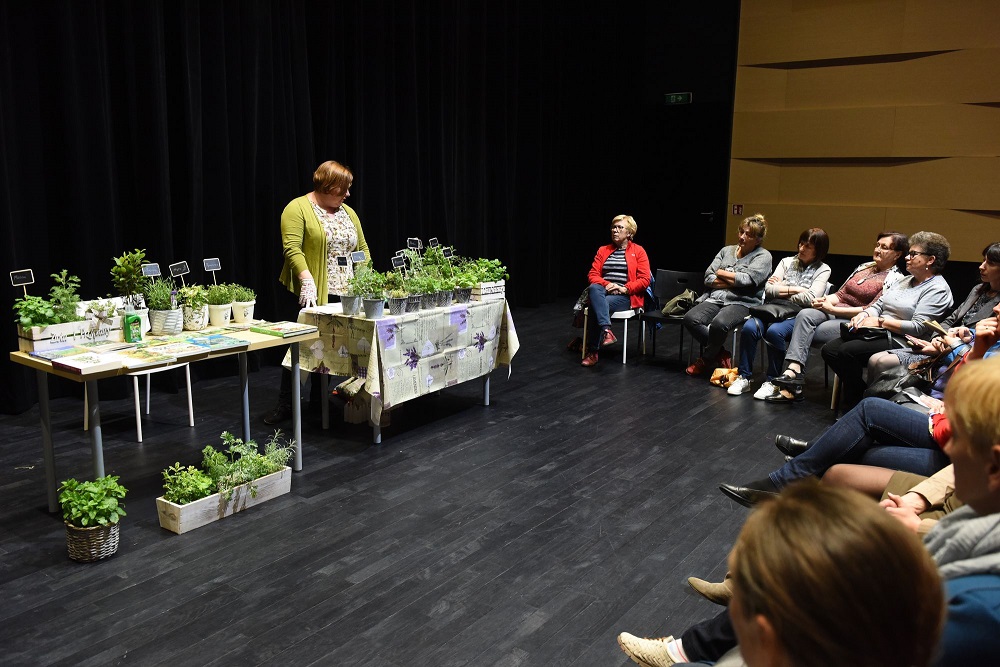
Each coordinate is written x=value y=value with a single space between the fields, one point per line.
x=358 y=256
x=151 y=270
x=433 y=242
x=212 y=264
x=342 y=260
x=22 y=277
x=179 y=269
x=413 y=243
x=447 y=252
x=398 y=262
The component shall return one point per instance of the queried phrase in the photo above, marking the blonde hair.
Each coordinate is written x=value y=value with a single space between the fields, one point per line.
x=824 y=563
x=757 y=225
x=630 y=227
x=332 y=178
x=973 y=398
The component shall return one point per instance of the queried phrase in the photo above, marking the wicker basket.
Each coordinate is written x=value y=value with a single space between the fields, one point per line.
x=90 y=544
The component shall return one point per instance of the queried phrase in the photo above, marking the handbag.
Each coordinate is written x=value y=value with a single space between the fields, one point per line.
x=775 y=311
x=723 y=377
x=680 y=304
x=895 y=380
x=862 y=333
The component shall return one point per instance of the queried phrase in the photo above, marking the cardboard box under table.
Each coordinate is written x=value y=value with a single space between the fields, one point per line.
x=398 y=358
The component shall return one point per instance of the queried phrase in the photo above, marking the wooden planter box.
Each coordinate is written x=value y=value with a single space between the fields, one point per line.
x=489 y=291
x=68 y=333
x=182 y=518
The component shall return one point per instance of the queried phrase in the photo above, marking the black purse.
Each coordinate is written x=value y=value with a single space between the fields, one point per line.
x=862 y=333
x=775 y=311
x=895 y=380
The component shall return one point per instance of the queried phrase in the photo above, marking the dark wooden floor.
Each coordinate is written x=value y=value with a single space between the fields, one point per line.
x=529 y=532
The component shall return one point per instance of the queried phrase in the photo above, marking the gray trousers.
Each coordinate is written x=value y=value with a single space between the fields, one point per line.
x=812 y=327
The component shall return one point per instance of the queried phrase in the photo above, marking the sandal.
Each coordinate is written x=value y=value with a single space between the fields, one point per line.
x=784 y=395
x=792 y=384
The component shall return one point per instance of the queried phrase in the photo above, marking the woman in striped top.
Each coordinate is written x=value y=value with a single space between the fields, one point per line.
x=618 y=277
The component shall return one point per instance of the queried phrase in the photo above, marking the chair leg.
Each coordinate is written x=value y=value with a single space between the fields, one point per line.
x=138 y=410
x=583 y=348
x=147 y=393
x=835 y=398
x=625 y=341
x=187 y=378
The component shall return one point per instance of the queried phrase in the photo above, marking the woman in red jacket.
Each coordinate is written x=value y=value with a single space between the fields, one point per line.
x=619 y=277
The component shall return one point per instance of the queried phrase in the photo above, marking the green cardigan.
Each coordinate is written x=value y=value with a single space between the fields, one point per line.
x=304 y=245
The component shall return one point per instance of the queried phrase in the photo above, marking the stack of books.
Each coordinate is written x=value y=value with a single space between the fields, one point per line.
x=283 y=329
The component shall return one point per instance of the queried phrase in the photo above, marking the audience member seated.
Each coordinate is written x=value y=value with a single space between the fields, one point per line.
x=965 y=544
x=820 y=577
x=798 y=280
x=903 y=309
x=877 y=431
x=978 y=305
x=821 y=323
x=735 y=281
x=618 y=278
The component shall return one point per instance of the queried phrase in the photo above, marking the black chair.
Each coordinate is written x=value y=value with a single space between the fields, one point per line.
x=668 y=285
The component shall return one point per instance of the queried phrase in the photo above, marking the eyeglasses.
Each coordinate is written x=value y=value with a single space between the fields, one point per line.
x=914 y=253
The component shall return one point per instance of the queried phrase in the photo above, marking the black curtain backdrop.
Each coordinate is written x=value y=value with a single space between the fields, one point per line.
x=508 y=128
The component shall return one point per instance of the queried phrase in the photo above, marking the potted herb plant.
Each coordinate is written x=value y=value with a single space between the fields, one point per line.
x=126 y=276
x=52 y=322
x=411 y=284
x=220 y=304
x=463 y=285
x=91 y=512
x=370 y=285
x=194 y=300
x=166 y=318
x=396 y=291
x=244 y=299
x=238 y=477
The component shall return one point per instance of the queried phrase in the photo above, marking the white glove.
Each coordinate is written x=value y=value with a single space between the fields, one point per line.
x=307 y=293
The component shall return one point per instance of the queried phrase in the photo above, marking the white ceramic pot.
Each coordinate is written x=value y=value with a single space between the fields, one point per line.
x=243 y=311
x=195 y=319
x=219 y=315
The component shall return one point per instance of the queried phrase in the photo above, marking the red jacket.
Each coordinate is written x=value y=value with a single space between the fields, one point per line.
x=638 y=270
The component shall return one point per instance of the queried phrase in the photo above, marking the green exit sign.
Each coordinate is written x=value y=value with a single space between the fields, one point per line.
x=678 y=98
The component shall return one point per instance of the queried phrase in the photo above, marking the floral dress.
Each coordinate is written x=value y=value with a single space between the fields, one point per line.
x=341 y=239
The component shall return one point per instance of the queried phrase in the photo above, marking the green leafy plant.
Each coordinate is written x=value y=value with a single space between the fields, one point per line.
x=64 y=296
x=101 y=309
x=394 y=281
x=194 y=296
x=184 y=485
x=34 y=311
x=96 y=503
x=486 y=270
x=242 y=293
x=219 y=295
x=367 y=282
x=242 y=462
x=161 y=294
x=126 y=276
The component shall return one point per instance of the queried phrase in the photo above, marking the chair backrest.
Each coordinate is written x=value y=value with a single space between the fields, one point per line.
x=671 y=283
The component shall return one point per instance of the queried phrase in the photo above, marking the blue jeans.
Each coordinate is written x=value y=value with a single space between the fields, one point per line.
x=874 y=430
x=776 y=336
x=602 y=305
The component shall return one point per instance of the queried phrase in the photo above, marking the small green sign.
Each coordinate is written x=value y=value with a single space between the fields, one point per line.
x=678 y=98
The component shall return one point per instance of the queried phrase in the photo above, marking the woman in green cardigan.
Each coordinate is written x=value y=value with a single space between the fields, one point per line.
x=315 y=229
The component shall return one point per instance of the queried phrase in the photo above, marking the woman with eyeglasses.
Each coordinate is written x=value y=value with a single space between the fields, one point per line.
x=921 y=296
x=960 y=324
x=619 y=276
x=821 y=323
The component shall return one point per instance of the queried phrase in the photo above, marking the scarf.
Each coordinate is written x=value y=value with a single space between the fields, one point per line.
x=964 y=543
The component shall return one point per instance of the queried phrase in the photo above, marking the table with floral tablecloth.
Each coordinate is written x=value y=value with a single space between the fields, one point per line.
x=397 y=358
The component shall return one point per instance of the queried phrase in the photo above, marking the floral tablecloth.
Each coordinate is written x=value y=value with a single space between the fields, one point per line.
x=401 y=357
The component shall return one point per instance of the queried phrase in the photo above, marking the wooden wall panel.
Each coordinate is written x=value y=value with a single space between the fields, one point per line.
x=785 y=32
x=856 y=115
x=866 y=132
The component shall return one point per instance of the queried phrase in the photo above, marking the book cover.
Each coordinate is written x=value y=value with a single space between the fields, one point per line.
x=218 y=342
x=183 y=351
x=283 y=329
x=145 y=358
x=88 y=362
x=55 y=353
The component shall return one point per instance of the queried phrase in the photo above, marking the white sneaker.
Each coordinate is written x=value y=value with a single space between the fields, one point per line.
x=765 y=390
x=739 y=385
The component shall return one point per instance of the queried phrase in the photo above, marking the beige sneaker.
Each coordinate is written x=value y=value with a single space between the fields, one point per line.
x=718 y=593
x=646 y=652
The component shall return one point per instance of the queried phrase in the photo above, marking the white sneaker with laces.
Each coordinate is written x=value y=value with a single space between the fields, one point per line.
x=739 y=385
x=765 y=390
